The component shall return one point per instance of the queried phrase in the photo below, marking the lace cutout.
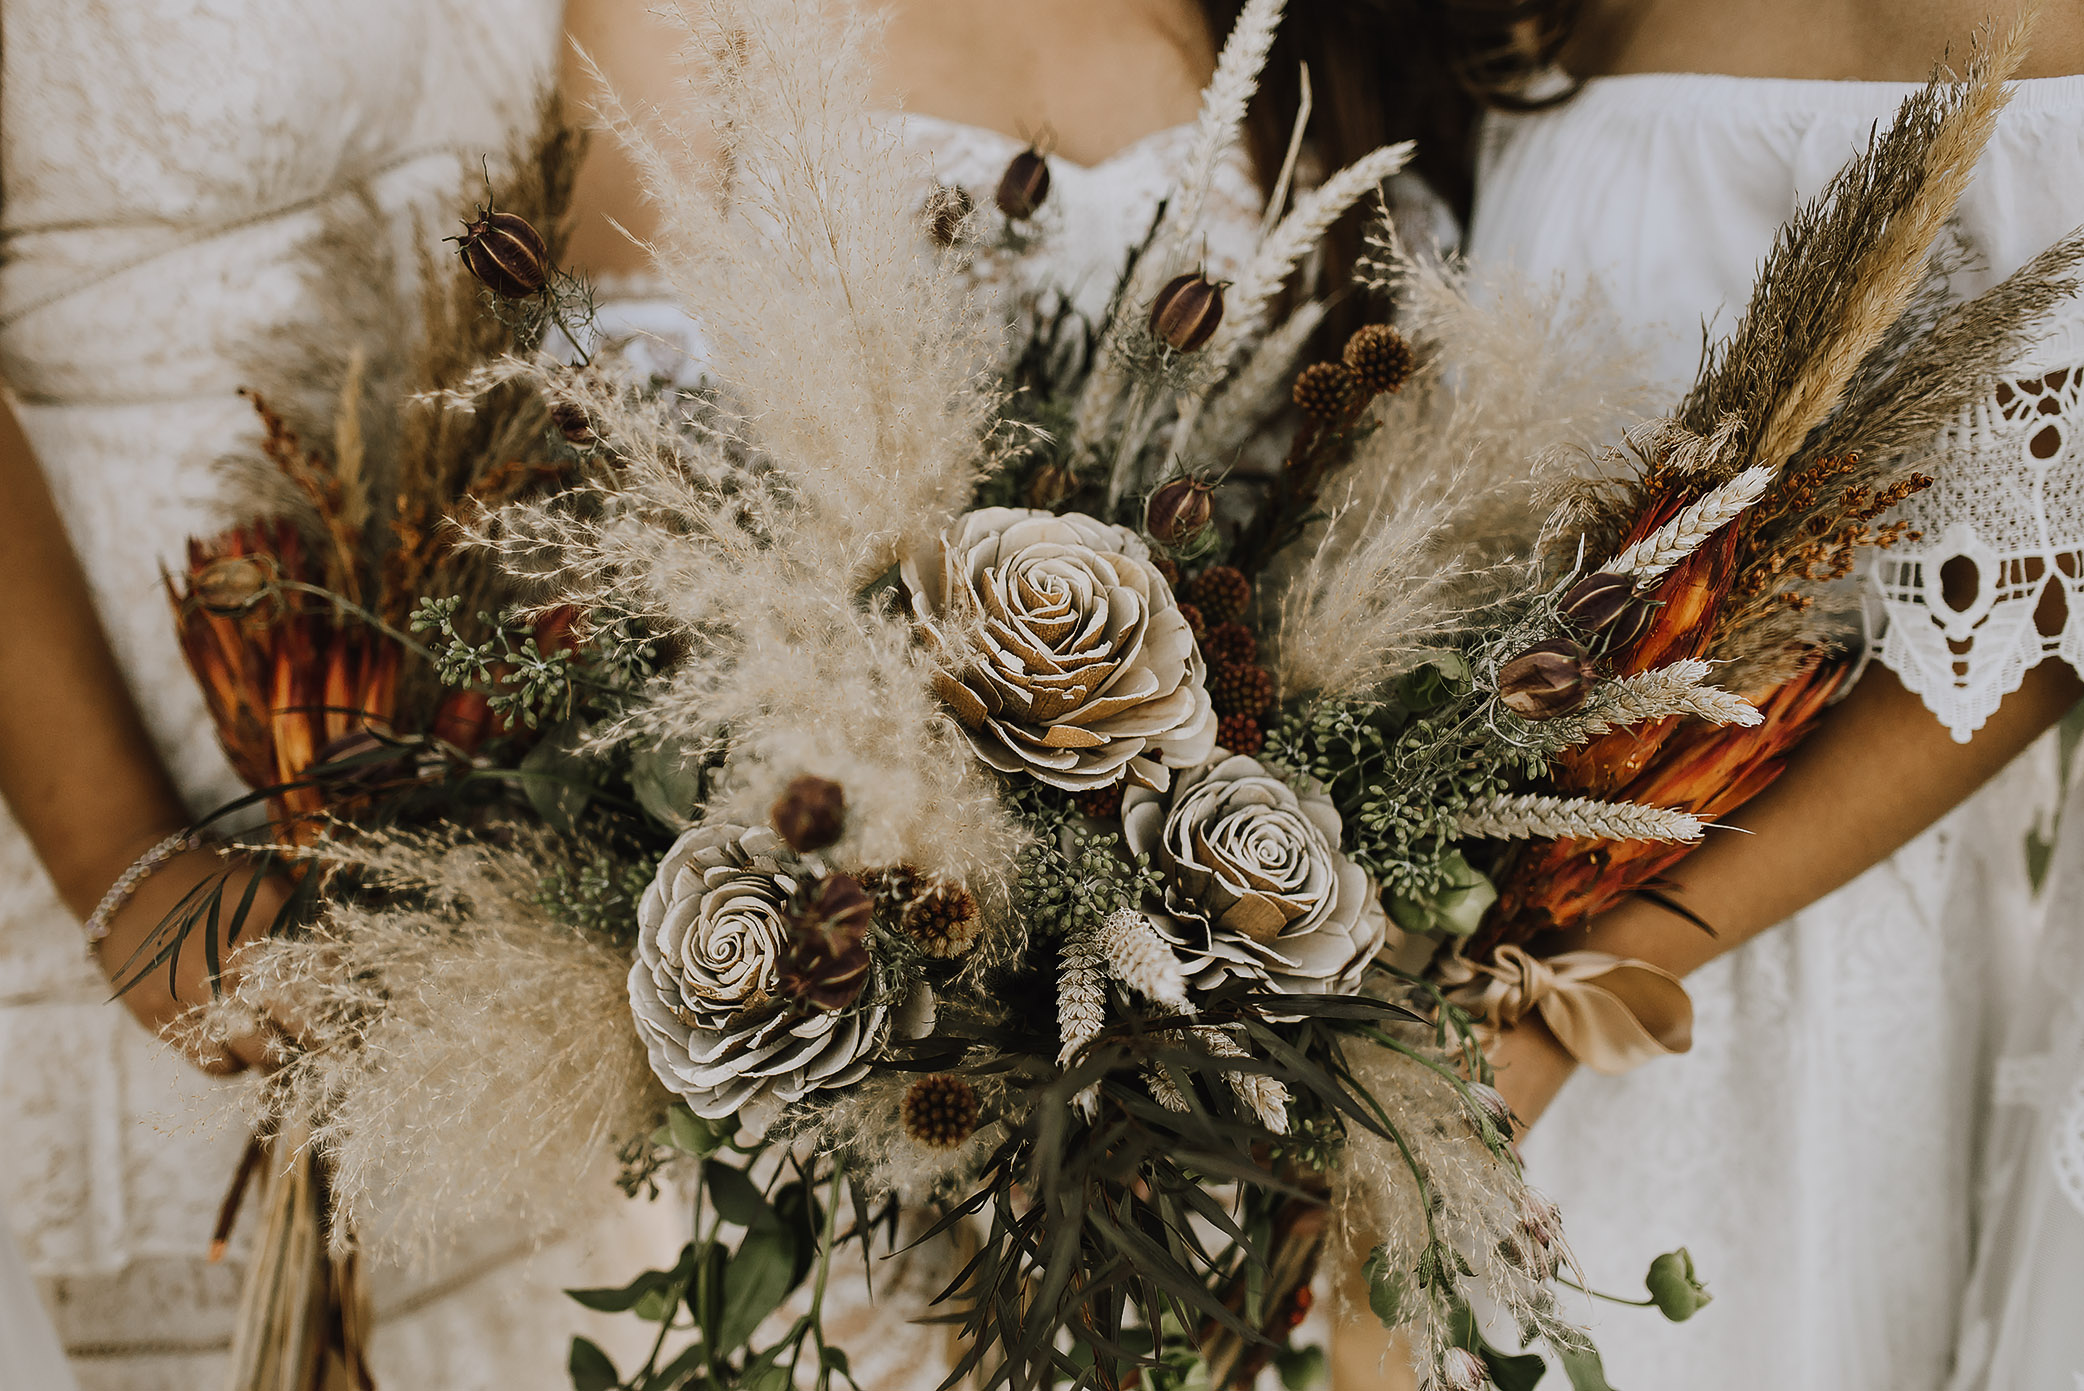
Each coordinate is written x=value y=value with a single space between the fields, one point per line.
x=2002 y=527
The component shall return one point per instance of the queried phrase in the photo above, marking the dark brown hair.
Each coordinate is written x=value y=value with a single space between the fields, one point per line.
x=1389 y=70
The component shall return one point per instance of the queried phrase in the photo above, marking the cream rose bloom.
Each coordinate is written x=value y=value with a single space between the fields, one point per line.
x=1063 y=652
x=712 y=933
x=1255 y=885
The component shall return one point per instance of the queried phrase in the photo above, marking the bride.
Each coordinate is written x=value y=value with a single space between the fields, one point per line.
x=160 y=172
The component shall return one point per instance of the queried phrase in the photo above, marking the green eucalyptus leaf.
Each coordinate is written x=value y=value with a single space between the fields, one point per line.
x=619 y=1301
x=666 y=785
x=765 y=1372
x=1439 y=681
x=674 y=1375
x=705 y=1294
x=1520 y=1371
x=1676 y=1291
x=757 y=1278
x=590 y=1368
x=690 y=1134
x=1387 y=1287
x=1457 y=909
x=736 y=1197
x=803 y=1216
x=1583 y=1367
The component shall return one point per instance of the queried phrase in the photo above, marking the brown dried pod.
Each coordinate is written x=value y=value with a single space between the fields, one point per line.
x=1179 y=511
x=947 y=208
x=1052 y=483
x=1241 y=734
x=1024 y=186
x=1547 y=680
x=1632 y=624
x=1221 y=592
x=1325 y=390
x=1380 y=358
x=1240 y=690
x=810 y=814
x=1186 y=312
x=230 y=586
x=940 y=1110
x=1596 y=602
x=943 y=919
x=827 y=962
x=506 y=253
x=572 y=422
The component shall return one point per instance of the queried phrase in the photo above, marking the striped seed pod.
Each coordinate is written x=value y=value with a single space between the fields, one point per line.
x=1024 y=186
x=1186 y=312
x=506 y=253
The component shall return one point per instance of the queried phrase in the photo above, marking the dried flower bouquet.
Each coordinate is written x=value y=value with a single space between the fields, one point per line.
x=909 y=786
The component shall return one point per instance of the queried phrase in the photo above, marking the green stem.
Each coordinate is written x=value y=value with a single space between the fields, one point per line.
x=1609 y=1298
x=346 y=605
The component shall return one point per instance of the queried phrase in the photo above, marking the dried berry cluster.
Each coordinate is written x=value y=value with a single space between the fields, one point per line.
x=1215 y=603
x=940 y=1110
x=1377 y=359
x=1810 y=530
x=941 y=918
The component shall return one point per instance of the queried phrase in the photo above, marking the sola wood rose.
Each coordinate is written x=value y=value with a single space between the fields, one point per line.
x=1255 y=885
x=713 y=937
x=1062 y=650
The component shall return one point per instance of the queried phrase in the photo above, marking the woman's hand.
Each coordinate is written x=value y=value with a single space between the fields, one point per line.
x=159 y=996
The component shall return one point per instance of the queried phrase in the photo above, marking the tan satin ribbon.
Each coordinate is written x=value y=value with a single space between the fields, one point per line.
x=1608 y=1012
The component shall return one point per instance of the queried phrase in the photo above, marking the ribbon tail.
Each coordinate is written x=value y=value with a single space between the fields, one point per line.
x=1621 y=1018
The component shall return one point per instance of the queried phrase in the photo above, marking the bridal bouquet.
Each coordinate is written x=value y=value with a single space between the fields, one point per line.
x=1041 y=803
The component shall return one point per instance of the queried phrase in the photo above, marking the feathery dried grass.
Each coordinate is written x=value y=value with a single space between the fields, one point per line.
x=464 y=1055
x=1443 y=506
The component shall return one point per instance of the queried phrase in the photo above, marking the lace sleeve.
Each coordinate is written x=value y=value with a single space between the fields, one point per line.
x=2002 y=527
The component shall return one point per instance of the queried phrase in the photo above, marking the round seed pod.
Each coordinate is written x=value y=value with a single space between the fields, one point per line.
x=572 y=422
x=810 y=813
x=1596 y=602
x=827 y=962
x=506 y=253
x=943 y=920
x=1024 y=186
x=231 y=585
x=1380 y=358
x=1187 y=311
x=1179 y=511
x=1242 y=734
x=940 y=1110
x=947 y=208
x=1326 y=390
x=1547 y=680
x=1230 y=644
x=1221 y=592
x=1240 y=690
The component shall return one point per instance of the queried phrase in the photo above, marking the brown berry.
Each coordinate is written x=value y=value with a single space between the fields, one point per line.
x=230 y=586
x=1229 y=644
x=1240 y=690
x=1547 y=680
x=1165 y=566
x=943 y=919
x=506 y=253
x=940 y=1110
x=1196 y=624
x=1241 y=734
x=947 y=208
x=1221 y=592
x=1024 y=186
x=827 y=962
x=1102 y=803
x=1326 y=391
x=1186 y=312
x=1380 y=359
x=810 y=814
x=1179 y=511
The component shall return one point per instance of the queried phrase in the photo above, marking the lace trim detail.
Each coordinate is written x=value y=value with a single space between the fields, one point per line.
x=2066 y=1147
x=2004 y=523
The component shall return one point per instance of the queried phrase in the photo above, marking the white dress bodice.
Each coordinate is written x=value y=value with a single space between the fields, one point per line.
x=1819 y=1150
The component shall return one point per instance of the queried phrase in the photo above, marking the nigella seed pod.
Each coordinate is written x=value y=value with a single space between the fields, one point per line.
x=1024 y=186
x=1491 y=1103
x=827 y=962
x=810 y=813
x=506 y=253
x=573 y=423
x=1186 y=312
x=1547 y=680
x=1596 y=602
x=230 y=586
x=1178 y=512
x=947 y=208
x=1631 y=625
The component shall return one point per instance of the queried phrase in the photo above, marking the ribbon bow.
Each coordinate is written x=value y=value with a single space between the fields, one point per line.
x=1608 y=1012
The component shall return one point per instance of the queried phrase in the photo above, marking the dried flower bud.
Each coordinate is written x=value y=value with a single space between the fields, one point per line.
x=1462 y=1370
x=1539 y=1218
x=1024 y=185
x=1186 y=312
x=1051 y=484
x=506 y=253
x=810 y=813
x=1179 y=511
x=230 y=586
x=943 y=919
x=1491 y=1103
x=1546 y=680
x=947 y=208
x=827 y=963
x=1380 y=358
x=940 y=1110
x=1595 y=602
x=572 y=422
x=1325 y=390
x=1674 y=1288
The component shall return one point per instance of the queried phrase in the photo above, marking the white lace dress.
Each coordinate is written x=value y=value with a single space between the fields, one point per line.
x=161 y=166
x=1829 y=1149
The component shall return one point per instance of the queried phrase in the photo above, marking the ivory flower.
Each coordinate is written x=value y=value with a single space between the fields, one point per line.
x=1063 y=652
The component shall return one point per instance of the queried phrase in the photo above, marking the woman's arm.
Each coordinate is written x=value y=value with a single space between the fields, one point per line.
x=1878 y=770
x=76 y=766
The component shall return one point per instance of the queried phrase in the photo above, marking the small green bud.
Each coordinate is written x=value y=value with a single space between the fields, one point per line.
x=1673 y=1288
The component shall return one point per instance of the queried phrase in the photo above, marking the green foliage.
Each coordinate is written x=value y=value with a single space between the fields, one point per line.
x=597 y=894
x=1075 y=872
x=1674 y=1289
x=524 y=683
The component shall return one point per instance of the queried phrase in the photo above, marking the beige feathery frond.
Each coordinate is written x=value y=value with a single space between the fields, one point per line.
x=1217 y=130
x=1267 y=1097
x=1687 y=532
x=1081 y=995
x=1140 y=959
x=1531 y=815
x=350 y=455
x=1217 y=428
